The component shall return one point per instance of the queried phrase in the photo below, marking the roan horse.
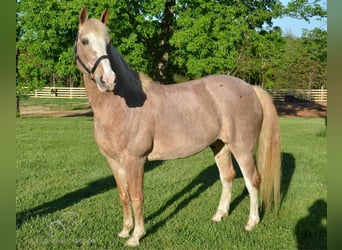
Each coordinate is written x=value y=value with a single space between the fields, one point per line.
x=136 y=119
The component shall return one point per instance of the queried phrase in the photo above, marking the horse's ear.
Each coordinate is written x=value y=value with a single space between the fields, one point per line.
x=83 y=15
x=104 y=16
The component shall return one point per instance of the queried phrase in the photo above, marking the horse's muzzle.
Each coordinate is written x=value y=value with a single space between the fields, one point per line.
x=106 y=82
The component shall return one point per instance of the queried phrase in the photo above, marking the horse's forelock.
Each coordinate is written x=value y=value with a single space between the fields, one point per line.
x=95 y=26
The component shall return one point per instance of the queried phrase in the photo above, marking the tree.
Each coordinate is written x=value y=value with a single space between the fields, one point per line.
x=304 y=62
x=219 y=36
x=140 y=30
x=286 y=75
x=263 y=57
x=315 y=43
x=167 y=38
x=305 y=58
x=312 y=63
x=305 y=9
x=46 y=37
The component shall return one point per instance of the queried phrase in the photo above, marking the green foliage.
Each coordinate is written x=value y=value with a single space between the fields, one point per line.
x=306 y=60
x=203 y=46
x=45 y=41
x=66 y=197
x=216 y=36
x=167 y=39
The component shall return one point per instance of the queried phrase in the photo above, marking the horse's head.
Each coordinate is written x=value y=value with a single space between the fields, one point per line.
x=92 y=47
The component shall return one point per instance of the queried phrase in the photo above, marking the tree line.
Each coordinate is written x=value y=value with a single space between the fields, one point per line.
x=175 y=40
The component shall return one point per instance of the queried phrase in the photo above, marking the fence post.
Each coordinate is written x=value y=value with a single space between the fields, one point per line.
x=322 y=89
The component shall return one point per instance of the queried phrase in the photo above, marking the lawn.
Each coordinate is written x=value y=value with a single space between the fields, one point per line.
x=67 y=199
x=55 y=103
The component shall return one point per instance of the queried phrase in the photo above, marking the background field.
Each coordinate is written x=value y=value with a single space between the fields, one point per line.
x=67 y=198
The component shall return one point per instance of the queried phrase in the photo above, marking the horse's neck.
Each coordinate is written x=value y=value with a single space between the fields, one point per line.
x=97 y=99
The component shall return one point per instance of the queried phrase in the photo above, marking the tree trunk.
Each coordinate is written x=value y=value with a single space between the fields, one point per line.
x=17 y=97
x=163 y=74
x=18 y=105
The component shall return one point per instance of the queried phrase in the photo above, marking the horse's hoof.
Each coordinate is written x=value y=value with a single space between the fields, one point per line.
x=252 y=222
x=219 y=216
x=124 y=234
x=216 y=218
x=132 y=242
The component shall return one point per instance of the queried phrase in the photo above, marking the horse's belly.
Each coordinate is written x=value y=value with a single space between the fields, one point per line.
x=178 y=146
x=177 y=152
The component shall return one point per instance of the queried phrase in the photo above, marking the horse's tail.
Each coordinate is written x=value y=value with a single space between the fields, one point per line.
x=268 y=155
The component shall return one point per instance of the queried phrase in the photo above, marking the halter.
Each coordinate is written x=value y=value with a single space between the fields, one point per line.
x=93 y=69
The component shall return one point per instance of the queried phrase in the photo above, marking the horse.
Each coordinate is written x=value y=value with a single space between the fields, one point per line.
x=138 y=120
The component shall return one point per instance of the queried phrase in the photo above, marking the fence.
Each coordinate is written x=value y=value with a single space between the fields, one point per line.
x=295 y=94
x=59 y=92
x=276 y=94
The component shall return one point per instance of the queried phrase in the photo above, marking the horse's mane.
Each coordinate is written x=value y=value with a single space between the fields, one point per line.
x=130 y=84
x=127 y=74
x=146 y=81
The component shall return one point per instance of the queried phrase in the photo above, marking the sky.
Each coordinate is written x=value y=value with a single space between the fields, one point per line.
x=295 y=26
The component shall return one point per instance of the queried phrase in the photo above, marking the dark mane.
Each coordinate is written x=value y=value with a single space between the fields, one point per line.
x=131 y=85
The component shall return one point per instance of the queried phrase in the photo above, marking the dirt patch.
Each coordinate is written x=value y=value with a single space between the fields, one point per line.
x=287 y=109
x=34 y=111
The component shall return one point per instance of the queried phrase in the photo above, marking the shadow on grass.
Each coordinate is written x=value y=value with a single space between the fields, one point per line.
x=201 y=183
x=206 y=179
x=86 y=113
x=93 y=188
x=288 y=168
x=301 y=108
x=311 y=231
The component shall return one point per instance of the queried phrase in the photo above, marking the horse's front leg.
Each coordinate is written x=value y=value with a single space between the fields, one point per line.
x=121 y=180
x=135 y=175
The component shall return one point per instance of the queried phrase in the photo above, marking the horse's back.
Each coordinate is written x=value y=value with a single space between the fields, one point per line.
x=234 y=97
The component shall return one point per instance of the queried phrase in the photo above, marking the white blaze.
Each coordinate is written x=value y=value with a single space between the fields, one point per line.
x=99 y=46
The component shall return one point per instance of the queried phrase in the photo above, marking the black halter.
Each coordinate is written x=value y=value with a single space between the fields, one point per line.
x=93 y=69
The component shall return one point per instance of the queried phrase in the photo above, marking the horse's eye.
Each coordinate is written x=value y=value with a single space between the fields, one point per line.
x=85 y=41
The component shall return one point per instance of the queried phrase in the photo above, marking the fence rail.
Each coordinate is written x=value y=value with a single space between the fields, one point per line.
x=276 y=94
x=59 y=92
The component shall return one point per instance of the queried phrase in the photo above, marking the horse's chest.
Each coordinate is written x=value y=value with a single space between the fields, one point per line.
x=108 y=137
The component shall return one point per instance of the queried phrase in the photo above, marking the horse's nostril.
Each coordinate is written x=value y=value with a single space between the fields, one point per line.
x=101 y=79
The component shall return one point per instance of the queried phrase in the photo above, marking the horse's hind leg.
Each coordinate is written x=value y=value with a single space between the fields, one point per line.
x=245 y=160
x=227 y=174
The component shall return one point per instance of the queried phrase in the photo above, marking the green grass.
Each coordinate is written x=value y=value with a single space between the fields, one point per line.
x=67 y=199
x=55 y=103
